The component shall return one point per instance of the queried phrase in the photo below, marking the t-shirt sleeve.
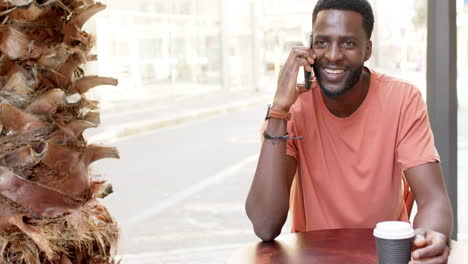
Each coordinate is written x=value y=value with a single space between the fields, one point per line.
x=415 y=144
x=291 y=147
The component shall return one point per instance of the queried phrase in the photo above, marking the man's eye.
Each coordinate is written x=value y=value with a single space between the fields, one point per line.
x=349 y=43
x=320 y=42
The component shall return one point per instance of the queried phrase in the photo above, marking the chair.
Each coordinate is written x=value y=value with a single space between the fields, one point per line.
x=408 y=196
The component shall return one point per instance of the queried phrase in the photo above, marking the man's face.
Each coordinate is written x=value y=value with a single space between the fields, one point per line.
x=341 y=46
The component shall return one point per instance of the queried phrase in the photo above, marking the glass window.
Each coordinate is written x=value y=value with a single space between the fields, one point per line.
x=286 y=26
x=399 y=45
x=163 y=45
x=238 y=39
x=207 y=8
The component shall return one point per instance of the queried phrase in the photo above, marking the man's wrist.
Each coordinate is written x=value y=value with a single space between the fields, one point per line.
x=278 y=114
x=279 y=107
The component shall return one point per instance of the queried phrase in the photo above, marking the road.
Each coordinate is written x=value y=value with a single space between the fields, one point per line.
x=180 y=191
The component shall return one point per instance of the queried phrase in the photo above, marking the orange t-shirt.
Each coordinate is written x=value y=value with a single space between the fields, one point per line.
x=349 y=170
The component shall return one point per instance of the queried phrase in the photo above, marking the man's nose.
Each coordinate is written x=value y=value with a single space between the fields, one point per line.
x=334 y=53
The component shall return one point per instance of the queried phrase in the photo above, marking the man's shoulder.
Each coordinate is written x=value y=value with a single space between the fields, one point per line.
x=391 y=84
x=390 y=80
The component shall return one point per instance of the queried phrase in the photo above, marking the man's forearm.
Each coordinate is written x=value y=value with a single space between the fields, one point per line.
x=267 y=204
x=434 y=207
x=436 y=215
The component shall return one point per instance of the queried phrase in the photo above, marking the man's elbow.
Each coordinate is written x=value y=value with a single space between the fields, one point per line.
x=265 y=230
x=267 y=233
x=267 y=225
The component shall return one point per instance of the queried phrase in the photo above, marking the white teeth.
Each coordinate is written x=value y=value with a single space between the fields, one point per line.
x=334 y=71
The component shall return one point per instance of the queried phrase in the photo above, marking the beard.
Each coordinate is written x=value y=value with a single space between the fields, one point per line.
x=353 y=78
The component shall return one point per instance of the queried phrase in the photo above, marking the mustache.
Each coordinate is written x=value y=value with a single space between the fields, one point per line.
x=321 y=64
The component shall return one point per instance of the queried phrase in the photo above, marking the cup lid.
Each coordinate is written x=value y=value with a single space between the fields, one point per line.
x=394 y=230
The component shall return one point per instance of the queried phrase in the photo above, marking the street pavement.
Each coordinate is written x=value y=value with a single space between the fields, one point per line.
x=180 y=191
x=150 y=113
x=180 y=185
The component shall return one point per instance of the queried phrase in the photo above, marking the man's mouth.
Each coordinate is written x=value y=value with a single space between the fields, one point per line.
x=333 y=74
x=333 y=71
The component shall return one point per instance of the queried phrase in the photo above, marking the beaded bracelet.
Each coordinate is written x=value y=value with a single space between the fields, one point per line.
x=274 y=138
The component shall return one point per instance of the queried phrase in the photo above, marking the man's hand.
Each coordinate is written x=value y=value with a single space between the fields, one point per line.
x=430 y=247
x=288 y=90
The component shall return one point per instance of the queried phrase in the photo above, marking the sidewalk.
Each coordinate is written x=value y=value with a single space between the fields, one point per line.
x=137 y=117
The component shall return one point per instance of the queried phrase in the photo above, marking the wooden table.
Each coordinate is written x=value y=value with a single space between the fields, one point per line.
x=338 y=246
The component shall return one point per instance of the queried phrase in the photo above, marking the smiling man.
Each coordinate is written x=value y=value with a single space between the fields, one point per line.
x=336 y=154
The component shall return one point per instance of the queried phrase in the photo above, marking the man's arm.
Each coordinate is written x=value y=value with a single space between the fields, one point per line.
x=433 y=220
x=267 y=204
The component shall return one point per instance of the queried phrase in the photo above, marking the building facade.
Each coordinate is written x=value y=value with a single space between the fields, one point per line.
x=186 y=47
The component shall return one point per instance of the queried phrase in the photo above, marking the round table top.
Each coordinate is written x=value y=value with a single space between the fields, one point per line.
x=343 y=246
x=336 y=246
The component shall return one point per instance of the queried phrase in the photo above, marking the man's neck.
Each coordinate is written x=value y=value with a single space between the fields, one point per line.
x=348 y=103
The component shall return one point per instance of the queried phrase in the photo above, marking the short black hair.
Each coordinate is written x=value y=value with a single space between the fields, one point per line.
x=361 y=6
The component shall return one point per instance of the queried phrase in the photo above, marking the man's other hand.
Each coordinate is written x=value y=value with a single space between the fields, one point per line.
x=430 y=247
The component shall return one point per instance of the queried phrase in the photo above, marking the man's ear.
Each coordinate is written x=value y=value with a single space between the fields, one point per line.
x=368 y=50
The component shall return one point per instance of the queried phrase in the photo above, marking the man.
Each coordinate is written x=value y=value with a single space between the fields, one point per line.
x=361 y=131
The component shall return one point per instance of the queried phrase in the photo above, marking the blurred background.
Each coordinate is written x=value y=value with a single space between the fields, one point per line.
x=195 y=78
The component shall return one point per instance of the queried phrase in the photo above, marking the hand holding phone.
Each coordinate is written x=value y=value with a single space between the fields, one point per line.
x=288 y=89
x=307 y=73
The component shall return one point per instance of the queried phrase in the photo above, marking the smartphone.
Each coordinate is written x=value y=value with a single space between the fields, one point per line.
x=306 y=73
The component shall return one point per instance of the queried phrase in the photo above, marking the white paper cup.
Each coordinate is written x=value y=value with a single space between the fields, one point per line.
x=394 y=240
